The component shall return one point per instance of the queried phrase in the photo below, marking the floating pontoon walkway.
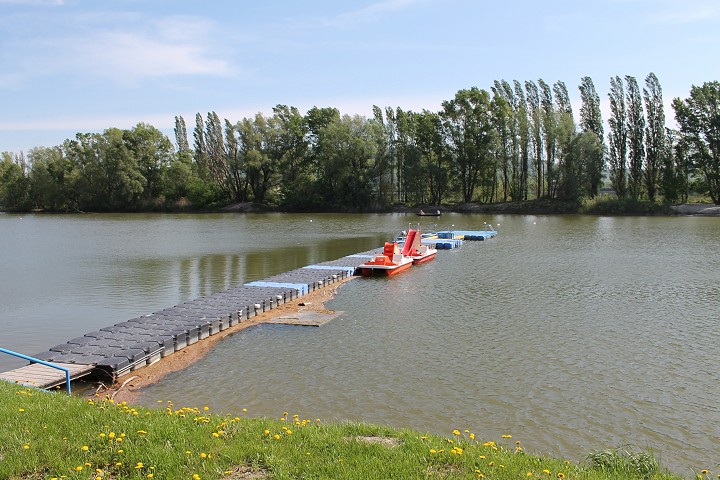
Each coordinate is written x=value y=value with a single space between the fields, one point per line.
x=127 y=346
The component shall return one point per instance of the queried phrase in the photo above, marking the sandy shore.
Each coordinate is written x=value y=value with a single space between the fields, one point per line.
x=697 y=209
x=127 y=387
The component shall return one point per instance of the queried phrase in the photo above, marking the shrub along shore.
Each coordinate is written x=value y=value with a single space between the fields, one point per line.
x=53 y=436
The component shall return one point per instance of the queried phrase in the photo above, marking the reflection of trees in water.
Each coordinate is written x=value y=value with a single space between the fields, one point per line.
x=203 y=275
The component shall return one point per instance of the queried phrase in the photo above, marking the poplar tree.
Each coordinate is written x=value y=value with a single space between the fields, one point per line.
x=524 y=139
x=181 y=138
x=562 y=98
x=215 y=144
x=503 y=119
x=655 y=144
x=591 y=121
x=618 y=137
x=635 y=137
x=533 y=102
x=549 y=124
x=201 y=154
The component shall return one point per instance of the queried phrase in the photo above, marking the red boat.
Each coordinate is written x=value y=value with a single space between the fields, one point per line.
x=414 y=248
x=389 y=263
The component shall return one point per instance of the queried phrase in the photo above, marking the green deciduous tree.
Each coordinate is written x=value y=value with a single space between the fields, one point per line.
x=14 y=183
x=618 y=137
x=635 y=137
x=153 y=152
x=467 y=120
x=699 y=119
x=591 y=121
x=535 y=115
x=50 y=178
x=655 y=144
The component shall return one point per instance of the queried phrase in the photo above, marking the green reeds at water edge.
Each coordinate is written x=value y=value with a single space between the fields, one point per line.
x=53 y=436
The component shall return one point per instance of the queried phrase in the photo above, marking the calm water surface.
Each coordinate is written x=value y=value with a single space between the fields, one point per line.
x=570 y=333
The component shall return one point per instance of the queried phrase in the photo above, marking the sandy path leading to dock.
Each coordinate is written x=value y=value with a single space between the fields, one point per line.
x=127 y=388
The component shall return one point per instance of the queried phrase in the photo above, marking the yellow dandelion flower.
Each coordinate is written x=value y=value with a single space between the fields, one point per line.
x=276 y=436
x=111 y=434
x=244 y=409
x=26 y=446
x=139 y=465
x=472 y=436
x=433 y=451
x=456 y=432
x=150 y=475
x=84 y=448
x=546 y=471
x=78 y=468
x=88 y=464
x=21 y=410
x=203 y=455
x=142 y=432
x=560 y=475
x=206 y=408
x=196 y=476
x=491 y=464
x=489 y=444
x=704 y=472
x=529 y=474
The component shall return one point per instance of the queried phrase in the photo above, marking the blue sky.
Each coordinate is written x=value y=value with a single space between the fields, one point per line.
x=69 y=66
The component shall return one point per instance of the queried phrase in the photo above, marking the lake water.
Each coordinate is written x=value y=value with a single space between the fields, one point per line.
x=571 y=333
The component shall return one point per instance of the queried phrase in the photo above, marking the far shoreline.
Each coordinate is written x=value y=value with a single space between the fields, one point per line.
x=530 y=207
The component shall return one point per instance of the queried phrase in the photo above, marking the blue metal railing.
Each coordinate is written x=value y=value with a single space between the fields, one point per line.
x=42 y=362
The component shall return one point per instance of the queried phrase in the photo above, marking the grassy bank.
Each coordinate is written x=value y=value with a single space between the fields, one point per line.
x=47 y=436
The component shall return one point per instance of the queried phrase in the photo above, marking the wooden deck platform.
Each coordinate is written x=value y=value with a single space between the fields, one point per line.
x=42 y=376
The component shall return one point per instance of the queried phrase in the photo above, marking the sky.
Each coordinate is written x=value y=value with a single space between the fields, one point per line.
x=69 y=66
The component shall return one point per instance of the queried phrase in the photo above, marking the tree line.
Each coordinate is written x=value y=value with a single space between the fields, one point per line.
x=518 y=141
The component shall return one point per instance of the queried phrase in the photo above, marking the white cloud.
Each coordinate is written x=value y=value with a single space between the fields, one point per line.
x=372 y=11
x=124 y=48
x=701 y=13
x=130 y=56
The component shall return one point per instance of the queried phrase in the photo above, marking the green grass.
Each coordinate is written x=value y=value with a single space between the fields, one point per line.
x=51 y=435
